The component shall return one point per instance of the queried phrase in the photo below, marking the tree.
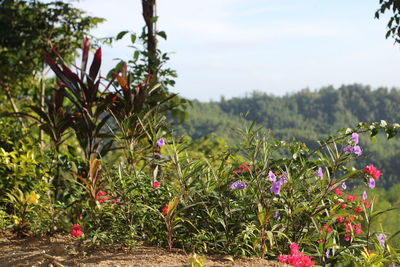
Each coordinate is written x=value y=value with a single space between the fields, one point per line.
x=394 y=21
x=26 y=29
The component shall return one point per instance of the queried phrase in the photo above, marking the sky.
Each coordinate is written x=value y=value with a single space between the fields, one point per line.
x=231 y=48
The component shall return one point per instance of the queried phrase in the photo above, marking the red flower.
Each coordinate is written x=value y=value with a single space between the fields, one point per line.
x=367 y=204
x=76 y=226
x=165 y=209
x=117 y=200
x=358 y=210
x=347 y=237
x=342 y=207
x=156 y=185
x=374 y=172
x=236 y=172
x=338 y=192
x=100 y=194
x=327 y=228
x=294 y=248
x=351 y=197
x=114 y=98
x=339 y=219
x=357 y=229
x=76 y=230
x=103 y=199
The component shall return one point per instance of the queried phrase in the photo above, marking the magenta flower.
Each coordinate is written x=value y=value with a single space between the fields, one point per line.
x=238 y=185
x=371 y=183
x=161 y=142
x=364 y=195
x=276 y=187
x=320 y=173
x=354 y=138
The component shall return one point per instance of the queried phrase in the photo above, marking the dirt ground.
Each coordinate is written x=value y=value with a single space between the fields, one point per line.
x=65 y=251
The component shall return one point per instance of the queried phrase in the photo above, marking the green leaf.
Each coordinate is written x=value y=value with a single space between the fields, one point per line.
x=133 y=38
x=162 y=34
x=121 y=35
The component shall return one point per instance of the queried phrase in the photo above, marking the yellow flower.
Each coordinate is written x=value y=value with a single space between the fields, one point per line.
x=32 y=198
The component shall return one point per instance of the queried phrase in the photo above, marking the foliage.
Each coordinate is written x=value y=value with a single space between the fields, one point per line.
x=26 y=28
x=306 y=116
x=394 y=21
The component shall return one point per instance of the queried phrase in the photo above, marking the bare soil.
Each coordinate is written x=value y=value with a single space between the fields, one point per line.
x=66 y=251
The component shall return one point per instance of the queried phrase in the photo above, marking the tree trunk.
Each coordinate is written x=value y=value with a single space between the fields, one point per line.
x=148 y=15
x=12 y=103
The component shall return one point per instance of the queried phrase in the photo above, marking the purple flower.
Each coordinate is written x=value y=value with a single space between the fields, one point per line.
x=357 y=150
x=276 y=187
x=371 y=183
x=344 y=186
x=277 y=215
x=353 y=149
x=348 y=149
x=327 y=253
x=319 y=173
x=381 y=239
x=161 y=142
x=364 y=195
x=285 y=175
x=354 y=138
x=238 y=185
x=392 y=265
x=282 y=180
x=271 y=176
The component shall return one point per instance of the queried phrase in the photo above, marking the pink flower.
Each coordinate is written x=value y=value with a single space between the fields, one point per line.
x=374 y=172
x=296 y=258
x=156 y=185
x=116 y=200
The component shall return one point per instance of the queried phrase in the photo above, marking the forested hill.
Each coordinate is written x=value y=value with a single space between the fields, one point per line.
x=306 y=115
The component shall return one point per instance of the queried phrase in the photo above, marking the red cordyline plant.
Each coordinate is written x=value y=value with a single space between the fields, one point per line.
x=83 y=90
